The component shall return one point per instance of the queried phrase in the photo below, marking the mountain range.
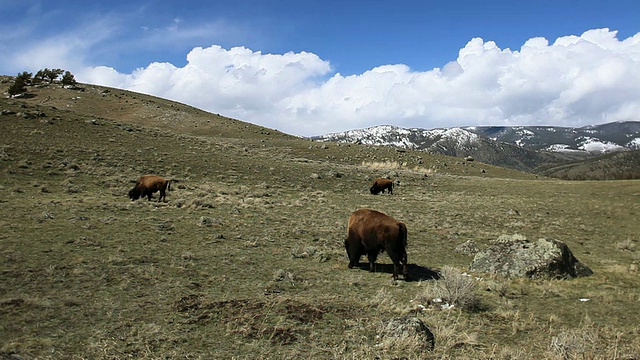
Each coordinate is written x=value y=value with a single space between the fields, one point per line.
x=538 y=149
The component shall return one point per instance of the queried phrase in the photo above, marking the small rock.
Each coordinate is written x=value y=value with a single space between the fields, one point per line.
x=407 y=327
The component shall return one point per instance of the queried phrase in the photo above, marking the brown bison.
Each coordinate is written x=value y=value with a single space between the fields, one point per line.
x=371 y=232
x=380 y=185
x=149 y=184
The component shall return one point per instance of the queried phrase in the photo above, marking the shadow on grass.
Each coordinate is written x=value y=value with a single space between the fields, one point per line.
x=416 y=272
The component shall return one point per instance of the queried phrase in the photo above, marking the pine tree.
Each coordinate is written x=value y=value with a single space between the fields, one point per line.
x=26 y=77
x=68 y=79
x=40 y=75
x=17 y=87
x=52 y=74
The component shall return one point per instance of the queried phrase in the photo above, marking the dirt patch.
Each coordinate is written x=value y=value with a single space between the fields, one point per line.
x=281 y=321
x=199 y=307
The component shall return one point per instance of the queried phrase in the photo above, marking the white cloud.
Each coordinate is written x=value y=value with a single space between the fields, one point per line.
x=572 y=81
x=576 y=81
x=237 y=82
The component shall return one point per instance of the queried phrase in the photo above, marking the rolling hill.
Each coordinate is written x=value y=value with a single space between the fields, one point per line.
x=246 y=259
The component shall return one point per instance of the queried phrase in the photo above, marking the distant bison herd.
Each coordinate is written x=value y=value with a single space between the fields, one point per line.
x=369 y=232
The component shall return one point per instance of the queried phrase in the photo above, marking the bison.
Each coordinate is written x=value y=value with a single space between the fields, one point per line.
x=149 y=184
x=380 y=185
x=371 y=232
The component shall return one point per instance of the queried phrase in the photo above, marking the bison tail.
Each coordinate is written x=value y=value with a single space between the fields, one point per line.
x=402 y=231
x=168 y=184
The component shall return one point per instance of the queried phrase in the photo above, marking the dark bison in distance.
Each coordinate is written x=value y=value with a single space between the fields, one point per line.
x=371 y=232
x=380 y=185
x=149 y=184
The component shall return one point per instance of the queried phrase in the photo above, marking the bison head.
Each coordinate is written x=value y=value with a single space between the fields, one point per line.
x=374 y=190
x=134 y=194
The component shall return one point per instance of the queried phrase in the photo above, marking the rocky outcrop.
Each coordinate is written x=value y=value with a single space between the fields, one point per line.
x=515 y=256
x=469 y=247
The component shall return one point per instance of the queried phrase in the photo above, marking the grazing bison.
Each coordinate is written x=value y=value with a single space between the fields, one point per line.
x=380 y=184
x=371 y=232
x=149 y=184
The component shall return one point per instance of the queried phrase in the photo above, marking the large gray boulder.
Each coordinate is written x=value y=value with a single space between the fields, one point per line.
x=515 y=256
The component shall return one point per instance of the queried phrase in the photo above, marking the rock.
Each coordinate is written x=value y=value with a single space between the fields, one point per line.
x=469 y=247
x=515 y=256
x=405 y=328
x=209 y=222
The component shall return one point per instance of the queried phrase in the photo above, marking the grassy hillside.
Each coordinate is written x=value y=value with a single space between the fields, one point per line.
x=618 y=165
x=246 y=260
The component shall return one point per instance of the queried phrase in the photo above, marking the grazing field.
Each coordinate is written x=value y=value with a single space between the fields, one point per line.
x=246 y=260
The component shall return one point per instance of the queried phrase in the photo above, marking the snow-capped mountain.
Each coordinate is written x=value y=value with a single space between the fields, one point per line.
x=421 y=139
x=594 y=139
x=520 y=147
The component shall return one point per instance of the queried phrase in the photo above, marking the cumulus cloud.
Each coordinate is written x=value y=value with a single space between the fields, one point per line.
x=592 y=78
x=238 y=82
x=577 y=80
x=572 y=81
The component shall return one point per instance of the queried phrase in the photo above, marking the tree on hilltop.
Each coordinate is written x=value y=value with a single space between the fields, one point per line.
x=26 y=77
x=39 y=77
x=68 y=79
x=18 y=86
x=50 y=74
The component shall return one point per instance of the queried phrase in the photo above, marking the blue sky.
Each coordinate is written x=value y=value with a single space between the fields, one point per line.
x=311 y=67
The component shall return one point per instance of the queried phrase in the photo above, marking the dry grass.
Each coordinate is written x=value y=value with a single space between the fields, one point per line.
x=454 y=289
x=395 y=165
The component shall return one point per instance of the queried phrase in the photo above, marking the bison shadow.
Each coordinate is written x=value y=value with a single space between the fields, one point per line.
x=416 y=272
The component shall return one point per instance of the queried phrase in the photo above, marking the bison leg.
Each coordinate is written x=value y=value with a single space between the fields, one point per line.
x=163 y=196
x=396 y=267
x=354 y=257
x=354 y=252
x=396 y=270
x=399 y=261
x=372 y=260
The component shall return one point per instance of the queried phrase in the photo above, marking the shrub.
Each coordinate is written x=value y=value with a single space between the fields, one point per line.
x=454 y=289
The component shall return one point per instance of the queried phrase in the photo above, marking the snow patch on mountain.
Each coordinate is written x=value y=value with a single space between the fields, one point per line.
x=525 y=133
x=388 y=135
x=457 y=135
x=561 y=148
x=594 y=145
